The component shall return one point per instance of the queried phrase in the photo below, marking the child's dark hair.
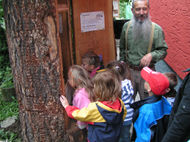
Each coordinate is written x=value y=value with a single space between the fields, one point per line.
x=92 y=58
x=119 y=68
x=172 y=77
x=106 y=86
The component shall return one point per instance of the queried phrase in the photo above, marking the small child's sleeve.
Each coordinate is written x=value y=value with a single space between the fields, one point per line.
x=86 y=114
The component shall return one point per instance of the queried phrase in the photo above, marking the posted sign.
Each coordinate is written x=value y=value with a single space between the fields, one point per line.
x=92 y=21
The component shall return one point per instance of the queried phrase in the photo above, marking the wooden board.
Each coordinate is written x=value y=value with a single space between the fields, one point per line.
x=102 y=42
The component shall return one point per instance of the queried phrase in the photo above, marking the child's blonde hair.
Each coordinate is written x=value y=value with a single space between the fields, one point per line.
x=106 y=86
x=81 y=78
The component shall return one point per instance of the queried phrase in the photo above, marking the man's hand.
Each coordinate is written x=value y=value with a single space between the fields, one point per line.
x=64 y=101
x=145 y=61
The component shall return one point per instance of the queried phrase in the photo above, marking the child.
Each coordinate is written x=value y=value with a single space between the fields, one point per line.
x=179 y=124
x=78 y=79
x=127 y=92
x=151 y=114
x=92 y=63
x=172 y=77
x=105 y=115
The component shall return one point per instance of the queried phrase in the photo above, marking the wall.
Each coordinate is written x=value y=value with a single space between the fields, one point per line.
x=174 y=17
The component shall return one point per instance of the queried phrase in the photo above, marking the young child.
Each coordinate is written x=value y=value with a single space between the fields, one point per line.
x=179 y=124
x=120 y=69
x=105 y=115
x=170 y=96
x=151 y=114
x=78 y=79
x=92 y=63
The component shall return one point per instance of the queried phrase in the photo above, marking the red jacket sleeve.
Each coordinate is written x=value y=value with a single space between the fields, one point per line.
x=70 y=109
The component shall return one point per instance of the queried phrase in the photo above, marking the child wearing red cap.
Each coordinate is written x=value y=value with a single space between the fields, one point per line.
x=151 y=114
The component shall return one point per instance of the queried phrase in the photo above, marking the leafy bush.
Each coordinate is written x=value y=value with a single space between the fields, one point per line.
x=122 y=6
x=7 y=135
x=2 y=23
x=5 y=70
x=127 y=1
x=6 y=79
x=123 y=10
x=8 y=109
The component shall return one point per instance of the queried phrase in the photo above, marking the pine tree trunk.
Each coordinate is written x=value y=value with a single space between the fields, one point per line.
x=36 y=65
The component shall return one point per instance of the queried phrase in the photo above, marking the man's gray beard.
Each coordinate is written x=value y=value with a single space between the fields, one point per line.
x=141 y=29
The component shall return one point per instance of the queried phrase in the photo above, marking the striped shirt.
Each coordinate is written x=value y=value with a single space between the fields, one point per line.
x=127 y=93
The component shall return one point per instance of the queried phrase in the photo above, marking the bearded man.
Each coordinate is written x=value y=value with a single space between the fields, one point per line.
x=142 y=43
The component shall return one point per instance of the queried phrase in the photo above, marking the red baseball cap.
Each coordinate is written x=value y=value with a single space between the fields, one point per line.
x=157 y=81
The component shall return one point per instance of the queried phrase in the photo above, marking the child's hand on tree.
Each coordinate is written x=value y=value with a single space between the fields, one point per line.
x=64 y=101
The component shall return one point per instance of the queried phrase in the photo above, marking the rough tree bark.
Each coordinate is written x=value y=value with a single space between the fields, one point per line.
x=36 y=65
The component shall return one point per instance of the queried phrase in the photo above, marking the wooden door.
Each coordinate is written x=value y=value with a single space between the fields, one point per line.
x=65 y=38
x=91 y=33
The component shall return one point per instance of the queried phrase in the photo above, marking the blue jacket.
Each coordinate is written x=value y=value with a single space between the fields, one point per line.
x=104 y=122
x=152 y=110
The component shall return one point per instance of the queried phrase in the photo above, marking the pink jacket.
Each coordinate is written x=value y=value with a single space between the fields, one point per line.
x=81 y=100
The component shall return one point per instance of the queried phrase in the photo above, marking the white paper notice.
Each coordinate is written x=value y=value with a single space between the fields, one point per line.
x=92 y=21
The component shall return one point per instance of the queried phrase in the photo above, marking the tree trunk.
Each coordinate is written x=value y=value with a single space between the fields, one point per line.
x=37 y=68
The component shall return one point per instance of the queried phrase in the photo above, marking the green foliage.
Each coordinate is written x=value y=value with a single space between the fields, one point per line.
x=4 y=54
x=6 y=79
x=2 y=23
x=123 y=11
x=10 y=136
x=122 y=6
x=8 y=109
x=125 y=1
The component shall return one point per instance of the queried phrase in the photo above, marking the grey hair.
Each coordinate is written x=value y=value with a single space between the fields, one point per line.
x=133 y=1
